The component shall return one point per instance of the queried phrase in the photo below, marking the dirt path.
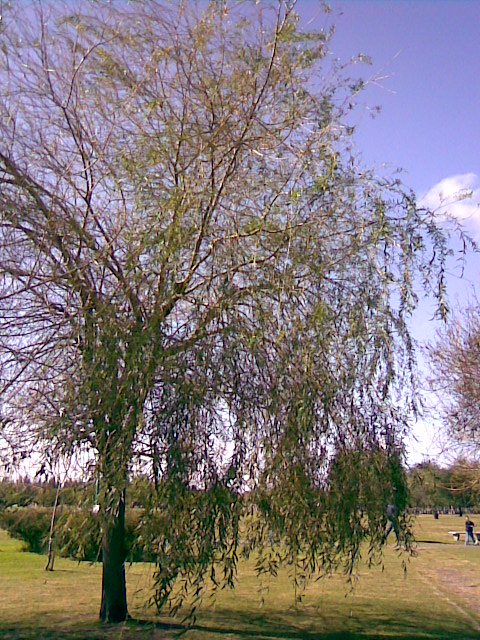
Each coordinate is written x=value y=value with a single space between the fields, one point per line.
x=458 y=590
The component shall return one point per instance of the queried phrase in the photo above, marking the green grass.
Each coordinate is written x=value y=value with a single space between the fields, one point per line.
x=438 y=598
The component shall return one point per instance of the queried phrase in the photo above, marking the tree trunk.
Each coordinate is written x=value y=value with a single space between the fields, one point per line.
x=114 y=593
x=51 y=538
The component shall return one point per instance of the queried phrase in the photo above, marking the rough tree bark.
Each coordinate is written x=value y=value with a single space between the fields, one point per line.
x=114 y=594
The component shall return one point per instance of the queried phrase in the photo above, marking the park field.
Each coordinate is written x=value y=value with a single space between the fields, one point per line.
x=437 y=597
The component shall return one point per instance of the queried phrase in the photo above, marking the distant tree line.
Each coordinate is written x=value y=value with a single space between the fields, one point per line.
x=27 y=493
x=26 y=507
x=430 y=486
x=455 y=487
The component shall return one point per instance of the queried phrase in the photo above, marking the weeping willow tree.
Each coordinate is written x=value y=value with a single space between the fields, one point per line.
x=199 y=280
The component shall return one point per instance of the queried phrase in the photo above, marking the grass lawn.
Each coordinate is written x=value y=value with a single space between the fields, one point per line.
x=438 y=598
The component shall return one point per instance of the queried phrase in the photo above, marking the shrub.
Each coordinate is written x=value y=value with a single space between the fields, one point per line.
x=31 y=525
x=77 y=532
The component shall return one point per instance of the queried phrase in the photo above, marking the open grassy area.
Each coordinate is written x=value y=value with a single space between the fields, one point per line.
x=438 y=598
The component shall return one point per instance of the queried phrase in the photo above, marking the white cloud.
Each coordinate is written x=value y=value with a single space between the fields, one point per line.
x=458 y=196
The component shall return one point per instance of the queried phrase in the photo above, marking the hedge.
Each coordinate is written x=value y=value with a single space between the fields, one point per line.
x=77 y=532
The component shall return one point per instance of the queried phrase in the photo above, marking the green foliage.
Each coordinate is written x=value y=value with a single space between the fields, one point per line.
x=31 y=525
x=23 y=494
x=17 y=494
x=432 y=486
x=77 y=532
x=320 y=525
x=194 y=538
x=78 y=535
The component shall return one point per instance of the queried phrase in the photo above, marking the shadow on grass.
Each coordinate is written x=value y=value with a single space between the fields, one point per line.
x=232 y=624
x=448 y=544
x=310 y=623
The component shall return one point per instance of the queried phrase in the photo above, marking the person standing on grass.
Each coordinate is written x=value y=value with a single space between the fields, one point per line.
x=469 y=531
x=392 y=521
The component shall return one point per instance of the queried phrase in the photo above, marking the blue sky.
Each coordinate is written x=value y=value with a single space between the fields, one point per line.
x=426 y=77
x=429 y=55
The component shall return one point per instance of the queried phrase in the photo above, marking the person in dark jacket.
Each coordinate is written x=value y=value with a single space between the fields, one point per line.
x=469 y=531
x=392 y=521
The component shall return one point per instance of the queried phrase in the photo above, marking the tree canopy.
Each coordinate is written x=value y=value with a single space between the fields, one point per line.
x=200 y=281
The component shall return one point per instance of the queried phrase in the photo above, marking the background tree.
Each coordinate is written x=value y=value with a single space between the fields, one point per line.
x=455 y=369
x=200 y=281
x=436 y=487
x=429 y=487
x=462 y=481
